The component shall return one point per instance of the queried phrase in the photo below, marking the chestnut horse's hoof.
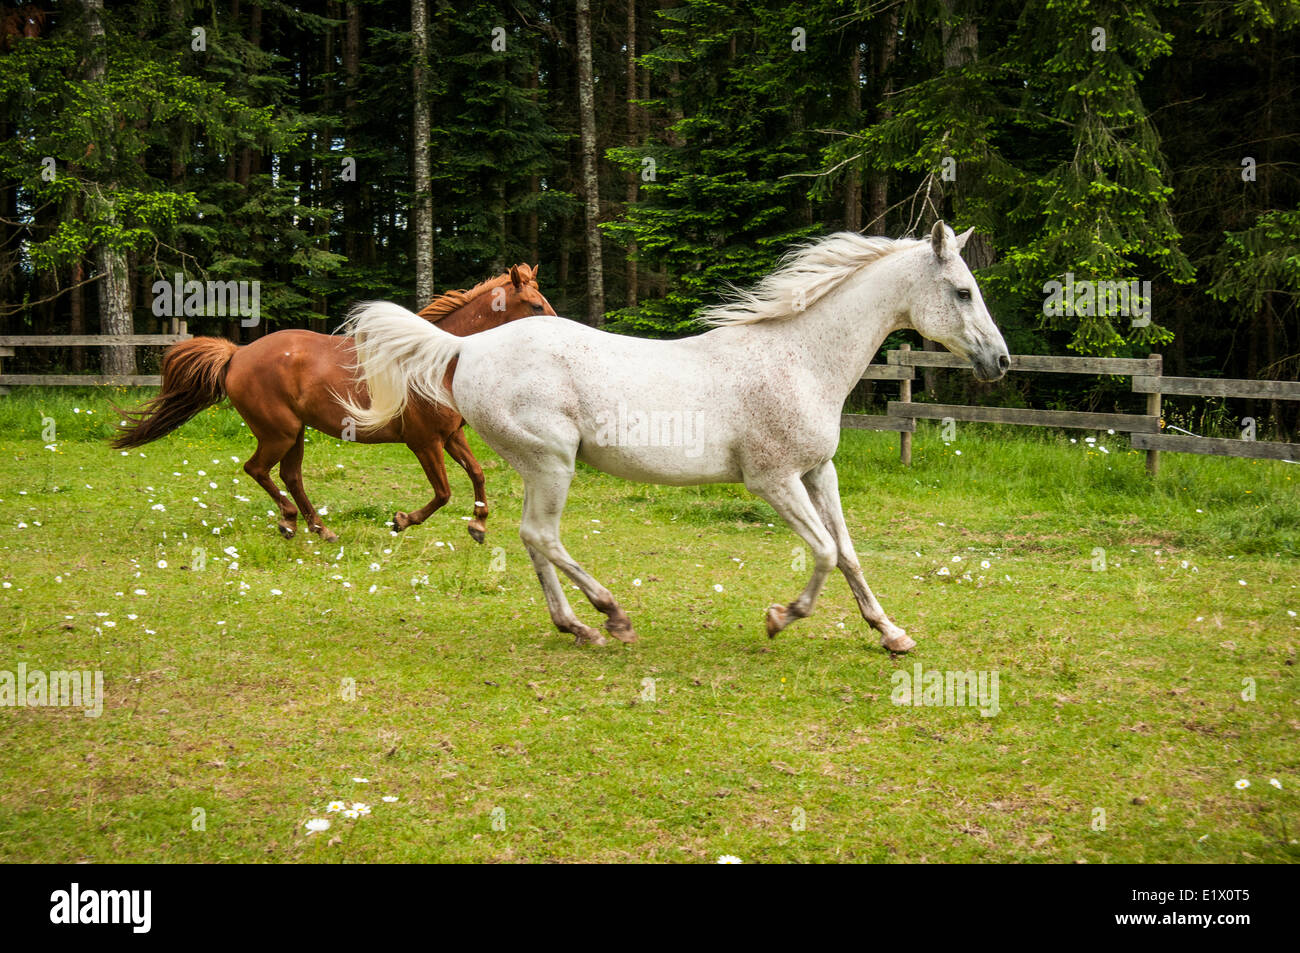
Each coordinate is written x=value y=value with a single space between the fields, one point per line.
x=328 y=535
x=776 y=620
x=477 y=531
x=288 y=530
x=401 y=521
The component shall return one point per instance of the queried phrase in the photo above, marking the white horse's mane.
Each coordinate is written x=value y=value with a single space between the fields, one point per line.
x=804 y=275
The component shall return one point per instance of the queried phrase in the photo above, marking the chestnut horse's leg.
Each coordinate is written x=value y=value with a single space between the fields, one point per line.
x=291 y=473
x=270 y=451
x=458 y=448
x=430 y=457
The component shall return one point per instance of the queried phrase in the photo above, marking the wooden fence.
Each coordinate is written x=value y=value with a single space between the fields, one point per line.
x=902 y=414
x=1143 y=429
x=10 y=341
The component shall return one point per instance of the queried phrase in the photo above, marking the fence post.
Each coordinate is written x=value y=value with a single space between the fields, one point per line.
x=1153 y=410
x=905 y=396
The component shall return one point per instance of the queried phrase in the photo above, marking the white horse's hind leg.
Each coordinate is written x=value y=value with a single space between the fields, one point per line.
x=544 y=496
x=824 y=490
x=557 y=604
x=790 y=499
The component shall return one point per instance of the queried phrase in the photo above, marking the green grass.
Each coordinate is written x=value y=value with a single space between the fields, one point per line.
x=1120 y=690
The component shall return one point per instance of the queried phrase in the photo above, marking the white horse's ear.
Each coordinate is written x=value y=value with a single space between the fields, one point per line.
x=939 y=240
x=963 y=238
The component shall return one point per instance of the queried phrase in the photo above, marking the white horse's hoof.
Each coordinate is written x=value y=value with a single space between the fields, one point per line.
x=586 y=635
x=898 y=641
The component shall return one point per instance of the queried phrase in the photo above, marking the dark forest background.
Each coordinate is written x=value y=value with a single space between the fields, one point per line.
x=647 y=152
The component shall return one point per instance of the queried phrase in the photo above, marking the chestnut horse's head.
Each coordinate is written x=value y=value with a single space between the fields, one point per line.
x=496 y=301
x=26 y=21
x=524 y=296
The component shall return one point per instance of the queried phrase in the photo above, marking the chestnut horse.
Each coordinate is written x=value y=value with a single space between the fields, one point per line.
x=290 y=380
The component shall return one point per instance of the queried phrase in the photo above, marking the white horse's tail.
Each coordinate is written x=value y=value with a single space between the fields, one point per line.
x=399 y=354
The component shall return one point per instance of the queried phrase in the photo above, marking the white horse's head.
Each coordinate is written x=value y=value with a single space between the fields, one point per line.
x=947 y=307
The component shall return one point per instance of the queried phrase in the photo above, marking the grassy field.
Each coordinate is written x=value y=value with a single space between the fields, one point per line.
x=241 y=698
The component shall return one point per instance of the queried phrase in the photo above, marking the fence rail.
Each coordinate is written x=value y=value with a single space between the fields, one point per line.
x=81 y=380
x=905 y=356
x=10 y=341
x=1217 y=387
x=1143 y=429
x=87 y=340
x=1218 y=446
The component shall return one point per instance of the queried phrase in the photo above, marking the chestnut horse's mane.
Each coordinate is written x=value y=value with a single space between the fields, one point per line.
x=448 y=302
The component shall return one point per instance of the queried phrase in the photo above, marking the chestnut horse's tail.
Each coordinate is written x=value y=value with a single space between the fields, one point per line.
x=193 y=379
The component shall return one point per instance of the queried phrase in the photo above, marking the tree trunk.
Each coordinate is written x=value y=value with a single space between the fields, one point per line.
x=1269 y=312
x=76 y=362
x=352 y=72
x=10 y=232
x=114 y=287
x=632 y=140
x=326 y=169
x=421 y=134
x=878 y=190
x=853 y=181
x=961 y=44
x=247 y=160
x=960 y=47
x=114 y=309
x=590 y=181
x=532 y=225
x=499 y=202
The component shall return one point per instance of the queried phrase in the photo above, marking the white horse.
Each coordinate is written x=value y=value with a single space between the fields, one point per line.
x=755 y=400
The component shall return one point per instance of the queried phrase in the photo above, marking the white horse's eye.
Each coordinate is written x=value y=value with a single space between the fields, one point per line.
x=963 y=294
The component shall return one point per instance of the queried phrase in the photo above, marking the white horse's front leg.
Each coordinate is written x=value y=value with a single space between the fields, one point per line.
x=789 y=498
x=824 y=490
